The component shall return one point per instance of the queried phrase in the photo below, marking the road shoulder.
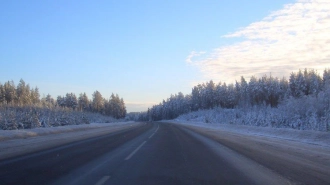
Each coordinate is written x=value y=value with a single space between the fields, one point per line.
x=294 y=160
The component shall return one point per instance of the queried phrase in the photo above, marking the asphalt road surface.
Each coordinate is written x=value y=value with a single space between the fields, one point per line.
x=155 y=153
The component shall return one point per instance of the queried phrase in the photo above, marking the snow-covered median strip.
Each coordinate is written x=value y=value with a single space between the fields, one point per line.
x=305 y=136
x=18 y=142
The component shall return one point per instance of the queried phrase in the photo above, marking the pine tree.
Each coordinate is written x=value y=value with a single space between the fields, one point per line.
x=60 y=101
x=117 y=106
x=50 y=100
x=10 y=92
x=123 y=111
x=232 y=100
x=210 y=94
x=97 y=102
x=244 y=94
x=253 y=89
x=2 y=94
x=83 y=102
x=294 y=89
x=35 y=96
x=71 y=101
x=301 y=84
x=23 y=93
x=326 y=79
x=314 y=82
x=195 y=99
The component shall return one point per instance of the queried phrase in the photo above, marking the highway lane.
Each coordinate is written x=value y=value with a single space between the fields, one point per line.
x=155 y=153
x=46 y=166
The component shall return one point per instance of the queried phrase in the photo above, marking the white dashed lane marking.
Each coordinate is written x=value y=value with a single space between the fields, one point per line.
x=152 y=135
x=138 y=148
x=154 y=132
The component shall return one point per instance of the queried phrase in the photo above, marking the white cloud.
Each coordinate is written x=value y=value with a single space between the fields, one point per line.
x=193 y=55
x=295 y=37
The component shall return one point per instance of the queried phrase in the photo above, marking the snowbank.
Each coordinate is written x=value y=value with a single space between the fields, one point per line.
x=25 y=133
x=18 y=118
x=262 y=116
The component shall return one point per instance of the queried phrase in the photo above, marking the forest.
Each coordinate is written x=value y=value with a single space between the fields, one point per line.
x=22 y=107
x=301 y=102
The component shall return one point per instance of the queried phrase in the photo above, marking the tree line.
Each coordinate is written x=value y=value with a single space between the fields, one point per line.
x=23 y=95
x=266 y=90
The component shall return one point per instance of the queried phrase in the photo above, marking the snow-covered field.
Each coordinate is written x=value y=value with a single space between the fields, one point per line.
x=262 y=116
x=304 y=136
x=18 y=142
x=18 y=118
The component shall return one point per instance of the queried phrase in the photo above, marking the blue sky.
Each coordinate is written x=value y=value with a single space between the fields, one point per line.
x=142 y=50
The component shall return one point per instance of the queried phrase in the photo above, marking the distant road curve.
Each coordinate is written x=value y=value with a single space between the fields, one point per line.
x=166 y=153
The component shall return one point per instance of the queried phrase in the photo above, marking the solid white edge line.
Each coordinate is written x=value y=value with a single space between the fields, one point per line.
x=130 y=155
x=102 y=180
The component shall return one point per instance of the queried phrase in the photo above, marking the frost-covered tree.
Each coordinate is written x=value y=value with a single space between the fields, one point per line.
x=244 y=97
x=22 y=108
x=313 y=82
x=284 y=88
x=195 y=98
x=232 y=96
x=23 y=93
x=254 y=91
x=71 y=101
x=209 y=95
x=301 y=84
x=35 y=96
x=123 y=110
x=60 y=101
x=267 y=91
x=305 y=83
x=297 y=84
x=272 y=90
x=9 y=92
x=116 y=107
x=50 y=100
x=326 y=79
x=83 y=102
x=97 y=102
x=221 y=94
x=2 y=94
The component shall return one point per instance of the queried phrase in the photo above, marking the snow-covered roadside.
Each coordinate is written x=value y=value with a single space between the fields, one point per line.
x=15 y=134
x=19 y=142
x=304 y=136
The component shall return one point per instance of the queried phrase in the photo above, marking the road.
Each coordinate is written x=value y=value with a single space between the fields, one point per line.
x=162 y=153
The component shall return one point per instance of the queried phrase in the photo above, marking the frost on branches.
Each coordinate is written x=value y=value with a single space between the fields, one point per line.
x=22 y=108
x=302 y=102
